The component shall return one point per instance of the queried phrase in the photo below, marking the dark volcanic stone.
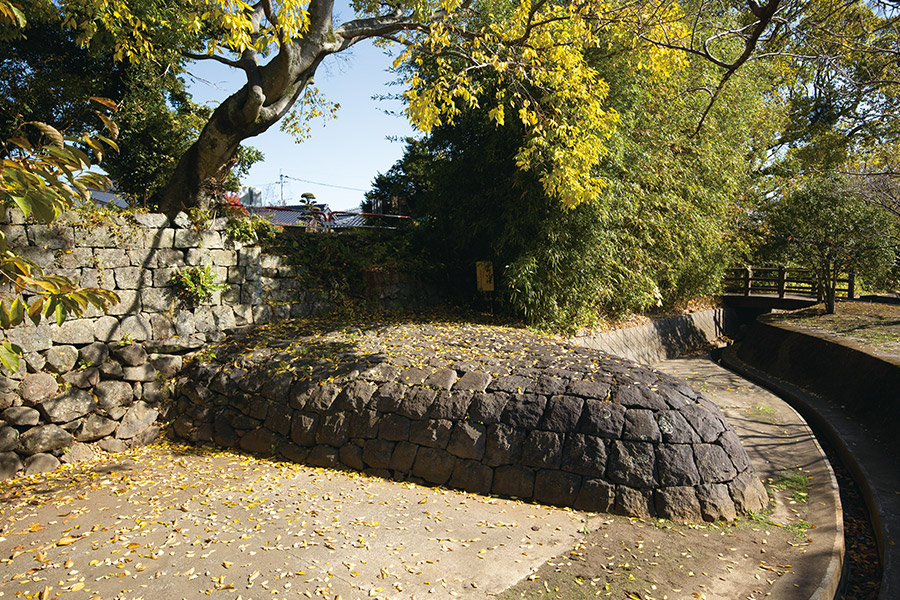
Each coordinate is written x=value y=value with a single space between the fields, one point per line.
x=223 y=433
x=596 y=495
x=713 y=464
x=468 y=440
x=321 y=397
x=389 y=396
x=334 y=431
x=676 y=465
x=355 y=396
x=450 y=405
x=634 y=503
x=278 y=418
x=748 y=493
x=377 y=453
x=294 y=453
x=487 y=408
x=414 y=375
x=259 y=441
x=472 y=476
x=364 y=424
x=675 y=429
x=595 y=390
x=513 y=480
x=504 y=445
x=394 y=428
x=524 y=410
x=678 y=504
x=548 y=386
x=632 y=463
x=542 y=449
x=442 y=379
x=403 y=457
x=276 y=388
x=512 y=384
x=434 y=433
x=639 y=396
x=433 y=465
x=584 y=454
x=556 y=487
x=731 y=443
x=303 y=429
x=562 y=413
x=416 y=403
x=715 y=502
x=473 y=381
x=602 y=418
x=325 y=457
x=706 y=424
x=351 y=456
x=640 y=426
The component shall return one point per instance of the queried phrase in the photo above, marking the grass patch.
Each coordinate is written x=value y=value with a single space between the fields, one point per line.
x=795 y=481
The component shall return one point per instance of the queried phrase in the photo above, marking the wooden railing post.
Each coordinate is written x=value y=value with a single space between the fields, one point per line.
x=748 y=274
x=782 y=276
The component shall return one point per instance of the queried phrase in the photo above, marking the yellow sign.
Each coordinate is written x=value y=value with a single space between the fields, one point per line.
x=484 y=271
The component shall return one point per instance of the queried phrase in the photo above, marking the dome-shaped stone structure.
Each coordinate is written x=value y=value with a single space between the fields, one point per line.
x=480 y=408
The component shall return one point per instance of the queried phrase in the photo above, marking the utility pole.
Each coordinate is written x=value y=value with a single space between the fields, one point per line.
x=281 y=177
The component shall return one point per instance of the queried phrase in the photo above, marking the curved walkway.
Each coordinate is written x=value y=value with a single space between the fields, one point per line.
x=779 y=442
x=870 y=459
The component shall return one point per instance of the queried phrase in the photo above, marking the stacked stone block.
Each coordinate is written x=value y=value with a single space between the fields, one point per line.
x=574 y=428
x=104 y=394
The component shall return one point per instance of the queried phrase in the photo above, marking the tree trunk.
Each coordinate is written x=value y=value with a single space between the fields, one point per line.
x=271 y=91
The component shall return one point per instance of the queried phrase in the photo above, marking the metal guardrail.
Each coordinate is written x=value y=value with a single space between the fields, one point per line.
x=781 y=281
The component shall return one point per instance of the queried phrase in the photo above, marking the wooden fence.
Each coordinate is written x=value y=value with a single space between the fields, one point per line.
x=781 y=281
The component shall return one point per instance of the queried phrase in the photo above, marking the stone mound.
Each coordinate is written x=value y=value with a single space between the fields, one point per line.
x=480 y=408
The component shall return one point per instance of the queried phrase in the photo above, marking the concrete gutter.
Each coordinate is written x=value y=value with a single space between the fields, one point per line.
x=665 y=338
x=872 y=465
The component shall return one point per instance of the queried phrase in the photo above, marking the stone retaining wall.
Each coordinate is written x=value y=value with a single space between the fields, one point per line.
x=559 y=425
x=86 y=381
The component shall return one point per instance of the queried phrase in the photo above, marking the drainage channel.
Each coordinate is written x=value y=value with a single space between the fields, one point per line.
x=862 y=566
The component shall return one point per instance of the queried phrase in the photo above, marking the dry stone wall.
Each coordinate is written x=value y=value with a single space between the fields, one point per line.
x=101 y=379
x=496 y=412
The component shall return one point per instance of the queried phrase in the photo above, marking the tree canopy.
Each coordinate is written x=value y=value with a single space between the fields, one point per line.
x=536 y=58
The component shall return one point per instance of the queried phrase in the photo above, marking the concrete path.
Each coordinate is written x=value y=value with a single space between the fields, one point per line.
x=779 y=441
x=871 y=459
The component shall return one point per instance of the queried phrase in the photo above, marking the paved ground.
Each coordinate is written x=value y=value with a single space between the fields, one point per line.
x=169 y=522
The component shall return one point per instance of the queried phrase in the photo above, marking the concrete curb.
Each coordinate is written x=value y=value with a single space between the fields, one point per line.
x=875 y=474
x=665 y=338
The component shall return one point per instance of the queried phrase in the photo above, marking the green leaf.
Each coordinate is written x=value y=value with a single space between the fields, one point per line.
x=10 y=355
x=16 y=312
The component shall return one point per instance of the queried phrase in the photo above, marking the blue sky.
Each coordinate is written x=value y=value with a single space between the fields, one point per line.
x=348 y=151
